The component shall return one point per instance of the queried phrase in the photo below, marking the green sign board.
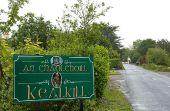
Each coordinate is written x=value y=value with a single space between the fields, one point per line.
x=51 y=78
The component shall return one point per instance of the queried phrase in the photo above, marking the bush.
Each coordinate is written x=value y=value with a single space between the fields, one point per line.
x=66 y=44
x=116 y=64
x=158 y=56
x=101 y=67
x=115 y=61
x=6 y=89
x=155 y=67
x=30 y=48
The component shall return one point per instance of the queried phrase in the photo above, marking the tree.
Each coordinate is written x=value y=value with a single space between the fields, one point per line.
x=81 y=14
x=140 y=47
x=164 y=44
x=109 y=33
x=80 y=20
x=103 y=34
x=136 y=43
x=35 y=28
x=158 y=56
x=135 y=56
x=145 y=45
x=12 y=14
x=67 y=42
x=125 y=54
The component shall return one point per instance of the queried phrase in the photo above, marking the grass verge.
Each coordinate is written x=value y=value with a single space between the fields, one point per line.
x=114 y=73
x=113 y=100
x=154 y=67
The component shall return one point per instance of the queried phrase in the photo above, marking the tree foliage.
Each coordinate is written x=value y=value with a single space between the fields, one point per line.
x=35 y=28
x=6 y=78
x=102 y=34
x=145 y=45
x=164 y=44
x=138 y=52
x=29 y=48
x=68 y=43
x=101 y=66
x=12 y=14
x=81 y=15
x=151 y=51
x=158 y=56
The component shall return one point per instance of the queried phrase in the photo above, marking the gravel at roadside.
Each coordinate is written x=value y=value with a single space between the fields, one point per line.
x=165 y=73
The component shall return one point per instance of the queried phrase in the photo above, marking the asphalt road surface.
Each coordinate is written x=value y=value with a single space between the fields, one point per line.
x=146 y=90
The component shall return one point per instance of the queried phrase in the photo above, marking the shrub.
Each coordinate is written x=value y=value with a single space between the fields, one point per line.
x=115 y=64
x=115 y=61
x=6 y=78
x=157 y=56
x=30 y=48
x=155 y=67
x=101 y=67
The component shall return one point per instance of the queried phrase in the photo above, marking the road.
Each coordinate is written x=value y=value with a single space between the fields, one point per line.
x=146 y=90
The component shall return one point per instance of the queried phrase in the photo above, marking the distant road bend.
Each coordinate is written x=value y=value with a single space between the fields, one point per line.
x=146 y=90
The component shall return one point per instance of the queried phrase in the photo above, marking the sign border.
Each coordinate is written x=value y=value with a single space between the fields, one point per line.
x=43 y=100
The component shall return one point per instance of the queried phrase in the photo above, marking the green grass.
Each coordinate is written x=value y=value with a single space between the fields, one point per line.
x=154 y=67
x=114 y=100
x=114 y=73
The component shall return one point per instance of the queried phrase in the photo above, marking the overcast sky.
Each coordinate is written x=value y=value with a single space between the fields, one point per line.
x=137 y=19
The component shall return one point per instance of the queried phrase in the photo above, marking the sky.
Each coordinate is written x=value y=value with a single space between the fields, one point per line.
x=137 y=19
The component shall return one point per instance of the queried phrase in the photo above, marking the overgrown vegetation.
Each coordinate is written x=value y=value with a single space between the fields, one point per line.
x=114 y=72
x=76 y=34
x=157 y=56
x=155 y=67
x=151 y=54
x=113 y=100
x=115 y=60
